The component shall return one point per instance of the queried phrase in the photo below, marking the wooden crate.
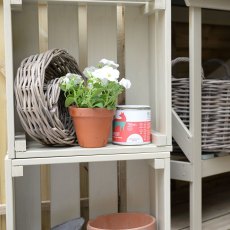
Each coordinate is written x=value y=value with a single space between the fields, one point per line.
x=91 y=31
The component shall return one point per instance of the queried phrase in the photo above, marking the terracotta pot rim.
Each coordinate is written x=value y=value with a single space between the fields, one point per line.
x=75 y=107
x=152 y=222
x=90 y=112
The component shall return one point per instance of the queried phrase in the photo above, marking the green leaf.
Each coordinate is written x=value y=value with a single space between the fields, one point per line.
x=99 y=105
x=69 y=101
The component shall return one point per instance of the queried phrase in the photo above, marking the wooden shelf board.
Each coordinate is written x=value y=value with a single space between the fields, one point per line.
x=111 y=151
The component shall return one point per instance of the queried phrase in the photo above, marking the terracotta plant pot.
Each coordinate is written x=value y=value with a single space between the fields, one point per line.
x=92 y=125
x=122 y=221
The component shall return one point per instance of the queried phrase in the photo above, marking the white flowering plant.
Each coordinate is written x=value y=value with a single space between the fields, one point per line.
x=100 y=90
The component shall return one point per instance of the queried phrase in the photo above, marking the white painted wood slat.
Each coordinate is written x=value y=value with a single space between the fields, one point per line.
x=27 y=188
x=10 y=199
x=103 y=197
x=65 y=193
x=27 y=199
x=137 y=70
x=102 y=43
x=138 y=192
x=65 y=178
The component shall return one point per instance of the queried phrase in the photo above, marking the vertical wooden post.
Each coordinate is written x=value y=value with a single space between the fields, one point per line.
x=10 y=215
x=9 y=77
x=195 y=116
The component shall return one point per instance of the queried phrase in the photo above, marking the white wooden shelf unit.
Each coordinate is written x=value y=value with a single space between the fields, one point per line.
x=189 y=140
x=89 y=31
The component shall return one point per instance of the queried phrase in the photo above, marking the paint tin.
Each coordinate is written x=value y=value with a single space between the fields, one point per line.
x=132 y=125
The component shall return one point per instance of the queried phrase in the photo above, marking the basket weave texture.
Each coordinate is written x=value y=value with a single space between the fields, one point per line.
x=39 y=100
x=215 y=109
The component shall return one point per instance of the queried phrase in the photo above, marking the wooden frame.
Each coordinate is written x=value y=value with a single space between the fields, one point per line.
x=24 y=157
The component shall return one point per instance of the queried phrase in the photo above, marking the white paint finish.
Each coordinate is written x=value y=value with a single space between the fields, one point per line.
x=25 y=43
x=105 y=2
x=27 y=188
x=195 y=115
x=16 y=4
x=159 y=139
x=209 y=4
x=63 y=24
x=137 y=70
x=153 y=202
x=160 y=195
x=22 y=22
x=65 y=178
x=138 y=192
x=10 y=209
x=151 y=7
x=27 y=199
x=20 y=143
x=163 y=74
x=159 y=164
x=9 y=77
x=37 y=150
x=17 y=171
x=182 y=135
x=12 y=2
x=94 y=158
x=160 y=70
x=137 y=56
x=100 y=171
x=102 y=33
x=103 y=191
x=65 y=193
x=102 y=43
x=163 y=186
x=181 y=170
x=215 y=166
x=153 y=70
x=98 y=44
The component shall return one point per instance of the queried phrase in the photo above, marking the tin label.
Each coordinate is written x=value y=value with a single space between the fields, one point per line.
x=132 y=127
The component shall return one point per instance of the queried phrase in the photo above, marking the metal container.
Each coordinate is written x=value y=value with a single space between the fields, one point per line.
x=132 y=125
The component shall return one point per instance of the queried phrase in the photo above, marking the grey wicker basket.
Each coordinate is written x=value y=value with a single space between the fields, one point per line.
x=215 y=108
x=39 y=101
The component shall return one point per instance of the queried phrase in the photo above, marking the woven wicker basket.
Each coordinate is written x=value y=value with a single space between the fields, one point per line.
x=215 y=109
x=39 y=101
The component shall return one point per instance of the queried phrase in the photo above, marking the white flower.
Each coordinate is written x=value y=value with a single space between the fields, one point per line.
x=68 y=75
x=125 y=83
x=104 y=81
x=88 y=71
x=106 y=72
x=77 y=79
x=105 y=62
x=65 y=80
